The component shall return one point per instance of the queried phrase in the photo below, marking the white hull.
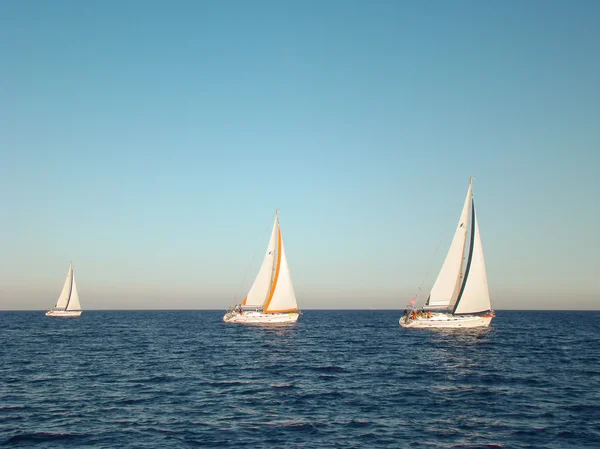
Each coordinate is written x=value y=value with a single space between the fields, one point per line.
x=446 y=321
x=64 y=313
x=253 y=317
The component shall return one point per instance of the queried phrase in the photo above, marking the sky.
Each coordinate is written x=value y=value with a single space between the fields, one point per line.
x=150 y=143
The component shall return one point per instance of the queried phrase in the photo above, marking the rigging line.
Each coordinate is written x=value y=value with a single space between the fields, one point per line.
x=248 y=267
x=427 y=271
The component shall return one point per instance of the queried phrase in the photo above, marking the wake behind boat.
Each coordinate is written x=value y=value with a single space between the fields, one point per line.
x=68 y=305
x=460 y=297
x=271 y=299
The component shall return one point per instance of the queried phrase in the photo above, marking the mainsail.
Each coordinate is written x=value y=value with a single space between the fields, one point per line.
x=73 y=303
x=273 y=289
x=446 y=287
x=282 y=297
x=69 y=298
x=474 y=295
x=261 y=287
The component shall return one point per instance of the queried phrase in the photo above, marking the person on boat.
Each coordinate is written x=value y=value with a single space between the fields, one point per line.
x=429 y=314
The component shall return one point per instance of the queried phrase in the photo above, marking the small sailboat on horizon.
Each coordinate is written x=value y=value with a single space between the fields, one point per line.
x=67 y=305
x=271 y=299
x=460 y=296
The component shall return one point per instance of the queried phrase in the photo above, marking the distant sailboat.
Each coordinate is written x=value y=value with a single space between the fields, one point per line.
x=271 y=299
x=68 y=305
x=460 y=296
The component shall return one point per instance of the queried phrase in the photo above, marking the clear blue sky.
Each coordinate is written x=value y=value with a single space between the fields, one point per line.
x=151 y=141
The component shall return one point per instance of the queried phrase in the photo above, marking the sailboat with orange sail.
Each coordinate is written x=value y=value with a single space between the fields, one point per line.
x=271 y=299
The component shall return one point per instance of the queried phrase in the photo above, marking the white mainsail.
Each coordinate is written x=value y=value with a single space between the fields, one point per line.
x=446 y=287
x=475 y=294
x=65 y=294
x=282 y=297
x=261 y=287
x=69 y=298
x=73 y=303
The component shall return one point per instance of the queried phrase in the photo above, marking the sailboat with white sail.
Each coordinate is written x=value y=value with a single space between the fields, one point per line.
x=460 y=296
x=271 y=299
x=68 y=305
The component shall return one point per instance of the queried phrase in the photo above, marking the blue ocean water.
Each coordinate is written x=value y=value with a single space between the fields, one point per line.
x=344 y=379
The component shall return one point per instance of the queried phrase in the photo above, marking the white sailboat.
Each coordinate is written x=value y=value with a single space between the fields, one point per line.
x=460 y=297
x=68 y=305
x=271 y=299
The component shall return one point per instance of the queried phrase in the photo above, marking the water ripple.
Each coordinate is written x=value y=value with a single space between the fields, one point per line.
x=346 y=379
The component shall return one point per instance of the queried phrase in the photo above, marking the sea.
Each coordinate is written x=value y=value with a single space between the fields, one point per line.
x=335 y=379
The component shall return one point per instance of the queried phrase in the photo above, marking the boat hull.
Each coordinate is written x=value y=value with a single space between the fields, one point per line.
x=64 y=313
x=253 y=317
x=446 y=321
